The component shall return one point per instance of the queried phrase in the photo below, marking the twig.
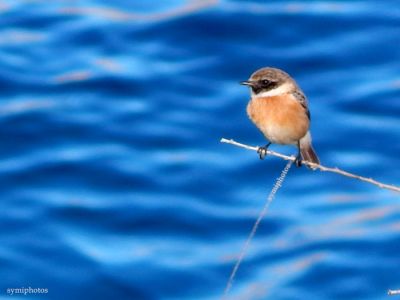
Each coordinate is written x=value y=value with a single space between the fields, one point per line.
x=317 y=166
x=277 y=185
x=393 y=292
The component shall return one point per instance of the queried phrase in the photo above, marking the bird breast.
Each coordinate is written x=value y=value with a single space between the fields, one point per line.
x=282 y=119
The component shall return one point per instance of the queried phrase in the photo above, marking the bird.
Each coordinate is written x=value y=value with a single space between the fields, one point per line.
x=279 y=109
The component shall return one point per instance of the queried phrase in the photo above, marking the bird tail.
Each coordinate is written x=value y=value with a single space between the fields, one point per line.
x=307 y=151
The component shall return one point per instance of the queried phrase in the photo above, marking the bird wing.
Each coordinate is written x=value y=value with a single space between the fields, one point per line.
x=299 y=95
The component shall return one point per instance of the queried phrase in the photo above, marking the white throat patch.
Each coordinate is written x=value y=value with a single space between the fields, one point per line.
x=282 y=89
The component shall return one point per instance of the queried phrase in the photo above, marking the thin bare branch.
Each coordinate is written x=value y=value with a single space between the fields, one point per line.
x=317 y=166
x=271 y=196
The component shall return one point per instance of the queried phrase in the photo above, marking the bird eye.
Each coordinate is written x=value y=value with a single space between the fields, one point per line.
x=265 y=82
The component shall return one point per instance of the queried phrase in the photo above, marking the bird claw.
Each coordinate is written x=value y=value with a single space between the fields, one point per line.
x=298 y=161
x=262 y=151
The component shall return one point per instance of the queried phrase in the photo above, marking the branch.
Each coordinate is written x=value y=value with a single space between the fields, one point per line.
x=317 y=166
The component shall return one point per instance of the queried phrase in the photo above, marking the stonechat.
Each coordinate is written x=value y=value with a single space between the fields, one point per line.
x=279 y=108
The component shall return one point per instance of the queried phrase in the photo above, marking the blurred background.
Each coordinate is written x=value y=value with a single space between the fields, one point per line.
x=114 y=184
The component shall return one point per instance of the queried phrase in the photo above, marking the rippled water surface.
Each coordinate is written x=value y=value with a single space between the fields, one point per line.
x=114 y=183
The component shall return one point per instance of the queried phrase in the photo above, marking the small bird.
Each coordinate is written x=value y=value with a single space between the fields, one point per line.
x=279 y=108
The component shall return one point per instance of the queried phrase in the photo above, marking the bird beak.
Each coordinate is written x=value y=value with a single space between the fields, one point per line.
x=247 y=82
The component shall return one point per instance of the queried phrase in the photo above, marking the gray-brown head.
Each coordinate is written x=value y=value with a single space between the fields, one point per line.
x=267 y=82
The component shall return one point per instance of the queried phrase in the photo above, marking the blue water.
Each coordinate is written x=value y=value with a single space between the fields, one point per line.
x=114 y=184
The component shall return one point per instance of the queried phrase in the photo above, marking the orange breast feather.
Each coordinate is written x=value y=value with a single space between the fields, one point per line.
x=282 y=119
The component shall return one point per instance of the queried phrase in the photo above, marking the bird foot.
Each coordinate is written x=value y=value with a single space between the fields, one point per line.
x=262 y=151
x=298 y=161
